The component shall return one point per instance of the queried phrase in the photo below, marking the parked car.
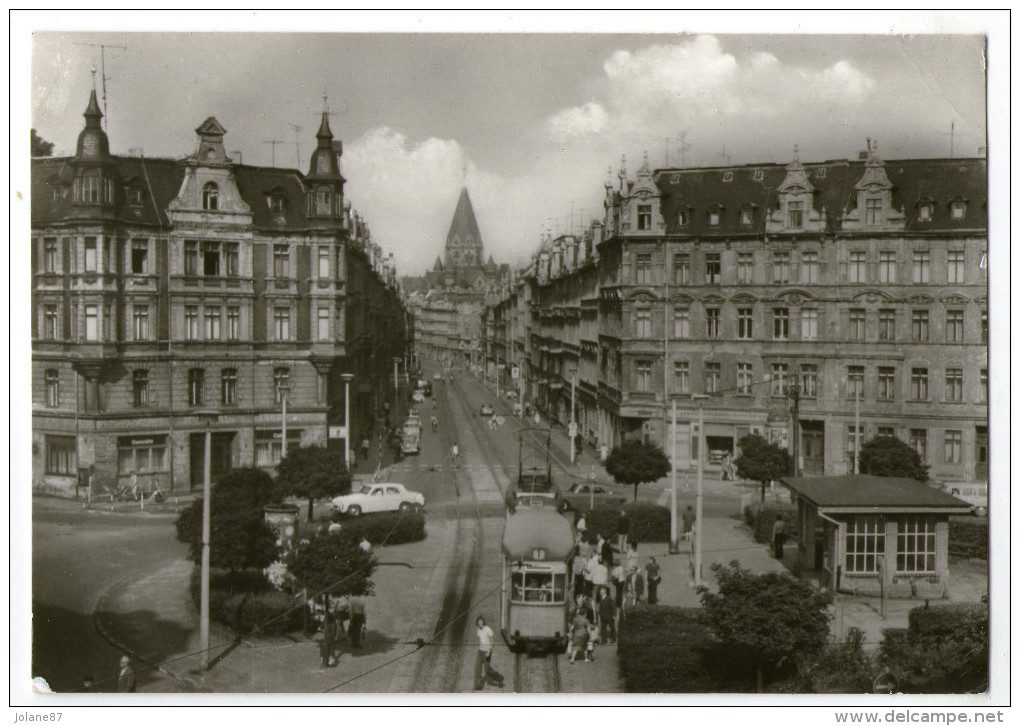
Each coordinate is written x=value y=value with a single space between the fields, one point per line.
x=378 y=497
x=582 y=496
x=487 y=409
x=418 y=397
x=975 y=495
x=410 y=443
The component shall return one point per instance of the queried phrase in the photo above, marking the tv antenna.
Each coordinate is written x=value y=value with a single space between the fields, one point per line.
x=951 y=135
x=102 y=69
x=297 y=141
x=274 y=142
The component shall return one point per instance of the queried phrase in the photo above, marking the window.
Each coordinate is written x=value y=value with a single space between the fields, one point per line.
x=713 y=268
x=855 y=329
x=52 y=388
x=281 y=323
x=90 y=188
x=855 y=382
x=141 y=455
x=281 y=383
x=856 y=268
x=887 y=324
x=745 y=378
x=140 y=388
x=781 y=267
x=809 y=268
x=643 y=375
x=643 y=270
x=809 y=380
x=233 y=323
x=681 y=376
x=779 y=371
x=211 y=259
x=681 y=323
x=281 y=261
x=886 y=383
x=191 y=322
x=712 y=322
x=91 y=255
x=809 y=324
x=984 y=326
x=745 y=267
x=957 y=209
x=919 y=326
x=643 y=324
x=983 y=393
x=681 y=269
x=745 y=323
x=228 y=386
x=323 y=262
x=191 y=257
x=107 y=322
x=91 y=322
x=61 y=455
x=644 y=216
x=919 y=443
x=954 y=266
x=211 y=197
x=954 y=384
x=924 y=212
x=231 y=267
x=727 y=176
x=865 y=543
x=795 y=214
x=713 y=373
x=872 y=212
x=954 y=445
x=922 y=266
x=538 y=587
x=212 y=323
x=885 y=431
x=323 y=324
x=713 y=217
x=50 y=322
x=277 y=203
x=746 y=216
x=50 y=255
x=196 y=386
x=140 y=257
x=919 y=384
x=135 y=195
x=759 y=174
x=780 y=323
x=141 y=322
x=915 y=545
x=683 y=217
x=954 y=326
x=887 y=267
x=323 y=197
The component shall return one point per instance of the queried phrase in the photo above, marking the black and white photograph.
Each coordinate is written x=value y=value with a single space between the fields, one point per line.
x=508 y=359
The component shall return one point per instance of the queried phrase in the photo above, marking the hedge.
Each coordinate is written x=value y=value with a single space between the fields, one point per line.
x=385 y=528
x=968 y=538
x=760 y=520
x=648 y=522
x=949 y=620
x=661 y=650
x=244 y=601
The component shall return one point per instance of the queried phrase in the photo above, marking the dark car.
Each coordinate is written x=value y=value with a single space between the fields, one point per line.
x=584 y=496
x=487 y=409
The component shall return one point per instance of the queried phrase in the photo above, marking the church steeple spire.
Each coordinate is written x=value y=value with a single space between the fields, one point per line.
x=464 y=240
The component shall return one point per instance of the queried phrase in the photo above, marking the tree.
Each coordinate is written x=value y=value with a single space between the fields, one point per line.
x=637 y=462
x=40 y=146
x=768 y=618
x=334 y=563
x=239 y=536
x=761 y=461
x=888 y=456
x=313 y=472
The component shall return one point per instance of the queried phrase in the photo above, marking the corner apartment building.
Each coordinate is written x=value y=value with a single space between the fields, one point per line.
x=170 y=294
x=856 y=286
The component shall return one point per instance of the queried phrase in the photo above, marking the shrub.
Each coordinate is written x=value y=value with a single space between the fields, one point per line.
x=385 y=528
x=968 y=538
x=661 y=650
x=244 y=601
x=333 y=563
x=761 y=519
x=648 y=522
x=841 y=668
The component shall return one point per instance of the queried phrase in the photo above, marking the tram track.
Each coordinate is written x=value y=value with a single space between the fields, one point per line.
x=536 y=673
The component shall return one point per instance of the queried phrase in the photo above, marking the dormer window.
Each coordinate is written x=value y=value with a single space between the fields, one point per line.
x=713 y=216
x=820 y=174
x=759 y=174
x=644 y=216
x=957 y=209
x=925 y=210
x=683 y=217
x=277 y=202
x=211 y=197
x=135 y=196
x=795 y=214
x=746 y=216
x=727 y=176
x=872 y=211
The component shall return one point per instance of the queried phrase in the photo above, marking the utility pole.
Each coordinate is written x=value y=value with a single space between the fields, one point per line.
x=102 y=69
x=793 y=392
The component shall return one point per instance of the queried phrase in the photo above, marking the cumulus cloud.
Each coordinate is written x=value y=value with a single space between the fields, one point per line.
x=588 y=119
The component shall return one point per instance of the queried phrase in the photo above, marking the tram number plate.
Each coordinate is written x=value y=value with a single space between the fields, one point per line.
x=538 y=554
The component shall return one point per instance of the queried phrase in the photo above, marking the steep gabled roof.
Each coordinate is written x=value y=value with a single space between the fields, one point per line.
x=464 y=225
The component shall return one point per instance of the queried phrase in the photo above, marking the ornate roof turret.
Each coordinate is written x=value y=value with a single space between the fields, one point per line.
x=93 y=145
x=874 y=177
x=796 y=176
x=325 y=163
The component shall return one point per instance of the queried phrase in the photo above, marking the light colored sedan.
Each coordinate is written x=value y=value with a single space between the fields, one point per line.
x=378 y=497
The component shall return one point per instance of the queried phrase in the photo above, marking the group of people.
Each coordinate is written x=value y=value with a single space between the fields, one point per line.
x=331 y=619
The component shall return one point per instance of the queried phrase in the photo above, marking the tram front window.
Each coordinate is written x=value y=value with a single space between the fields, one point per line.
x=538 y=587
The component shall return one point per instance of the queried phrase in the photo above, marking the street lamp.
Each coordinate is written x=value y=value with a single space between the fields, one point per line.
x=698 y=524
x=283 y=420
x=674 y=538
x=203 y=621
x=573 y=420
x=347 y=378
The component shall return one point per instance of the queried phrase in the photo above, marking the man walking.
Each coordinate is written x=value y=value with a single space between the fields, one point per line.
x=483 y=658
x=126 y=677
x=688 y=519
x=356 y=608
x=622 y=530
x=653 y=579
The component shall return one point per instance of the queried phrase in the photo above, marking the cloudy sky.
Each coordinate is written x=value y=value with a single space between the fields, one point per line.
x=531 y=123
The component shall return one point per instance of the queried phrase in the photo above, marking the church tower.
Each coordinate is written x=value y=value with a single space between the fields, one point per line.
x=464 y=241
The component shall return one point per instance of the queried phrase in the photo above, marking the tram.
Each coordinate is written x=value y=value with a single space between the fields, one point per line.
x=538 y=545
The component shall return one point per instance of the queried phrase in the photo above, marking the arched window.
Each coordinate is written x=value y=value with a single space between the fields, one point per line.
x=211 y=197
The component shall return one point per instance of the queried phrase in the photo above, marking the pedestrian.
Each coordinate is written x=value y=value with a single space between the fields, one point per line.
x=653 y=577
x=578 y=636
x=126 y=677
x=606 y=550
x=599 y=576
x=603 y=453
x=356 y=609
x=622 y=530
x=365 y=444
x=483 y=658
x=618 y=577
x=607 y=617
x=133 y=485
x=688 y=519
x=327 y=646
x=582 y=524
x=631 y=557
x=577 y=566
x=778 y=537
x=635 y=586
